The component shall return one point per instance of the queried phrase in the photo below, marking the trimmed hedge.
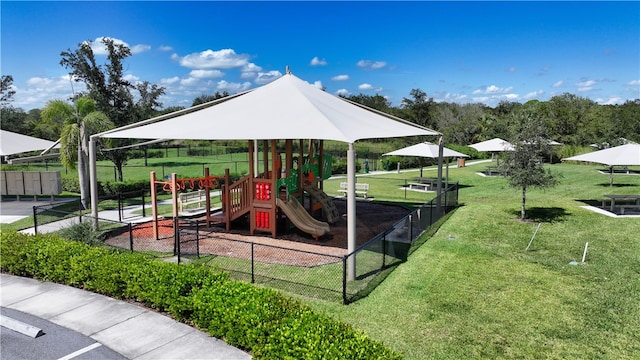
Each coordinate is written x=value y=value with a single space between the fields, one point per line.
x=258 y=320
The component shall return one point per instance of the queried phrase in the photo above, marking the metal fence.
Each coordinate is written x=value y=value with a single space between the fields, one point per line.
x=307 y=273
x=314 y=274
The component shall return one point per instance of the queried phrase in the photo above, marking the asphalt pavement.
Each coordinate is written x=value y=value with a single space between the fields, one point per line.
x=103 y=325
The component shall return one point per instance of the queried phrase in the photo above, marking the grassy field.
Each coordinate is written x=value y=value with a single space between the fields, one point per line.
x=472 y=291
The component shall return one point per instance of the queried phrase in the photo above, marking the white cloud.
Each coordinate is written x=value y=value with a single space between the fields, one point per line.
x=136 y=49
x=533 y=95
x=190 y=81
x=586 y=83
x=613 y=100
x=165 y=48
x=206 y=74
x=250 y=71
x=343 y=92
x=558 y=84
x=231 y=87
x=449 y=97
x=169 y=81
x=209 y=59
x=318 y=84
x=585 y=86
x=99 y=49
x=371 y=65
x=492 y=89
x=512 y=69
x=340 y=78
x=634 y=83
x=368 y=87
x=40 y=90
x=267 y=77
x=318 y=62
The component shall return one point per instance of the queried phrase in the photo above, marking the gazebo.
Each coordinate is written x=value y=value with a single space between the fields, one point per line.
x=286 y=109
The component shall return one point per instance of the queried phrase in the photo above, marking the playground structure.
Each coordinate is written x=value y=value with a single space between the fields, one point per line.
x=267 y=195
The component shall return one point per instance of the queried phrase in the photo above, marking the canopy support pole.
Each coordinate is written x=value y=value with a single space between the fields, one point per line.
x=351 y=212
x=93 y=180
x=439 y=192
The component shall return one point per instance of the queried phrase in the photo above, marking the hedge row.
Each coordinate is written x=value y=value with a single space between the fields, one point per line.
x=261 y=321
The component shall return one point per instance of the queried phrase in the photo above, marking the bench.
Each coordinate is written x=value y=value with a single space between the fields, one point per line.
x=631 y=202
x=635 y=209
x=361 y=189
x=419 y=186
x=187 y=199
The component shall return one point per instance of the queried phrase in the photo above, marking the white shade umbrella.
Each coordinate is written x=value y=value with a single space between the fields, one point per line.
x=425 y=149
x=430 y=150
x=13 y=143
x=623 y=155
x=493 y=145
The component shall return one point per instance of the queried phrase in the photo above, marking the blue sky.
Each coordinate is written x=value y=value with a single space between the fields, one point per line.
x=463 y=52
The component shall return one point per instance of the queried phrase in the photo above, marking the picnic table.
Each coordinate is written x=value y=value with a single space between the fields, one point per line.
x=493 y=170
x=432 y=182
x=623 y=202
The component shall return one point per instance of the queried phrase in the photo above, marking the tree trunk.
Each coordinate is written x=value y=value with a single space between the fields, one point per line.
x=83 y=168
x=524 y=201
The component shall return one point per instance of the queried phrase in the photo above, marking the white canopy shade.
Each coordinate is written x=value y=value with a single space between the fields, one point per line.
x=425 y=149
x=493 y=145
x=13 y=143
x=628 y=154
x=287 y=108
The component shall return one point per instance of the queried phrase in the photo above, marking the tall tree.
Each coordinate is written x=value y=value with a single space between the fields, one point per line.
x=80 y=121
x=525 y=165
x=419 y=108
x=6 y=90
x=112 y=93
x=566 y=115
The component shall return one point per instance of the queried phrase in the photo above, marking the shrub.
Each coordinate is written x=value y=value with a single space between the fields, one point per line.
x=71 y=184
x=82 y=232
x=259 y=320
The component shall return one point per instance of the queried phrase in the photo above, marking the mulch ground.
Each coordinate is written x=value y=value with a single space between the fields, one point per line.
x=371 y=219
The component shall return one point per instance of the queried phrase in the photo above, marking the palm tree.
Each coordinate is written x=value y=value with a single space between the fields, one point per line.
x=80 y=121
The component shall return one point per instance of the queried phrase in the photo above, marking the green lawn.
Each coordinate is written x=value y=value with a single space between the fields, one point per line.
x=472 y=291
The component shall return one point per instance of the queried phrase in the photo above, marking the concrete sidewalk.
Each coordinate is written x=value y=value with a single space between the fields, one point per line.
x=131 y=330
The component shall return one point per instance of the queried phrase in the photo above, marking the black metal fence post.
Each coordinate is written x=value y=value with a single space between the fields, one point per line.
x=120 y=207
x=175 y=236
x=253 y=279
x=384 y=249
x=197 y=239
x=144 y=214
x=35 y=220
x=345 y=301
x=178 y=245
x=131 y=237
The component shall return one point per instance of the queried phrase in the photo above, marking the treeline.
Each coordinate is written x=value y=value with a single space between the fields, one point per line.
x=570 y=119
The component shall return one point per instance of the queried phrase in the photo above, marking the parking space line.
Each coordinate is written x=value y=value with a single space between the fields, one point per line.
x=81 y=351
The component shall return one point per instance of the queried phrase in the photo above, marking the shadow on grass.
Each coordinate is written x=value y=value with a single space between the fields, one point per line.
x=544 y=214
x=614 y=185
x=591 y=202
